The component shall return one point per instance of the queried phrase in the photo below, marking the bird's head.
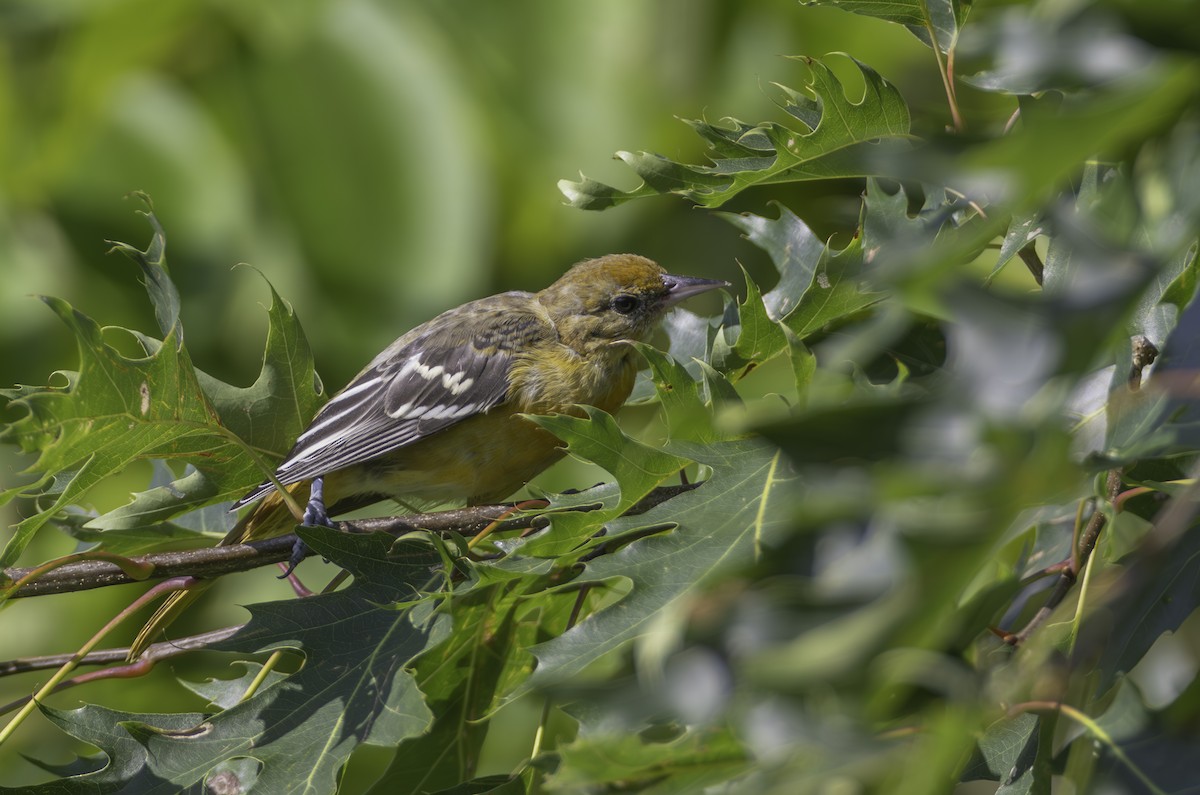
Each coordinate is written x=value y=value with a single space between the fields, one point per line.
x=617 y=298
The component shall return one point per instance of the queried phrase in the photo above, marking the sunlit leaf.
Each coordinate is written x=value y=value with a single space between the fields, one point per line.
x=119 y=410
x=688 y=763
x=837 y=137
x=637 y=468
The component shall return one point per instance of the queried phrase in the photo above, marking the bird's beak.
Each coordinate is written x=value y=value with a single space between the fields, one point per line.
x=681 y=287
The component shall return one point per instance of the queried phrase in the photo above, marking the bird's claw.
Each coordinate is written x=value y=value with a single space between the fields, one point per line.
x=299 y=552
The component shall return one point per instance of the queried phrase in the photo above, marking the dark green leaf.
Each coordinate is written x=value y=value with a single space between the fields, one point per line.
x=730 y=521
x=1160 y=603
x=817 y=287
x=1034 y=55
x=863 y=429
x=104 y=728
x=226 y=693
x=795 y=251
x=1022 y=232
x=355 y=686
x=488 y=785
x=462 y=679
x=759 y=337
x=153 y=262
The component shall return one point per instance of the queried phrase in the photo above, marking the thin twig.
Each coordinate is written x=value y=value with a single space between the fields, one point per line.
x=499 y=520
x=164 y=649
x=155 y=652
x=204 y=562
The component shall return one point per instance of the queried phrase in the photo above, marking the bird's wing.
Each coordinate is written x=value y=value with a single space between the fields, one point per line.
x=452 y=368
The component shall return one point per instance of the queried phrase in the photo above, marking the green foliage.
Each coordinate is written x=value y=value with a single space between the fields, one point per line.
x=894 y=436
x=837 y=138
x=116 y=410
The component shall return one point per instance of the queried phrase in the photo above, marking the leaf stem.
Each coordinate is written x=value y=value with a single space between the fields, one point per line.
x=1093 y=728
x=1080 y=605
x=263 y=673
x=946 y=70
x=158 y=651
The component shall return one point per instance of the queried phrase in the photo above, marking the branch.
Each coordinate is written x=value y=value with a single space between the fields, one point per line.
x=1069 y=572
x=209 y=562
x=154 y=653
x=1143 y=355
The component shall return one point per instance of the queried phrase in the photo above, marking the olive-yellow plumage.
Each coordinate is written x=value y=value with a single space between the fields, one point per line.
x=433 y=417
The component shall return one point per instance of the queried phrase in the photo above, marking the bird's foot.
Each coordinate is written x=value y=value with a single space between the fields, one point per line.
x=314 y=516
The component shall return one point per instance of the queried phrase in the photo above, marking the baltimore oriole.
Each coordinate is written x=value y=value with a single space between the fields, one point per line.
x=433 y=417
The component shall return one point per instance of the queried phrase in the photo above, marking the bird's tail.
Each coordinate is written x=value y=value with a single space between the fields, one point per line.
x=270 y=518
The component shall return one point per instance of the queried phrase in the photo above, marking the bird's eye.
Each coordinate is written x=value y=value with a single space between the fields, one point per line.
x=625 y=303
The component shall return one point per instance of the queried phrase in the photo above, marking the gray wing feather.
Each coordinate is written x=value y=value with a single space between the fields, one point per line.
x=431 y=378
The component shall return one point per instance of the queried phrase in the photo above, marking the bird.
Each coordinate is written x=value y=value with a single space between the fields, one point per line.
x=436 y=416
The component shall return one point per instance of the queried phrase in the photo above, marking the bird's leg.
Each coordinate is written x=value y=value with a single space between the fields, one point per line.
x=314 y=512
x=314 y=516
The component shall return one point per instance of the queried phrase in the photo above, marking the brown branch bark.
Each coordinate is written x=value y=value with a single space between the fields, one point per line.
x=209 y=562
